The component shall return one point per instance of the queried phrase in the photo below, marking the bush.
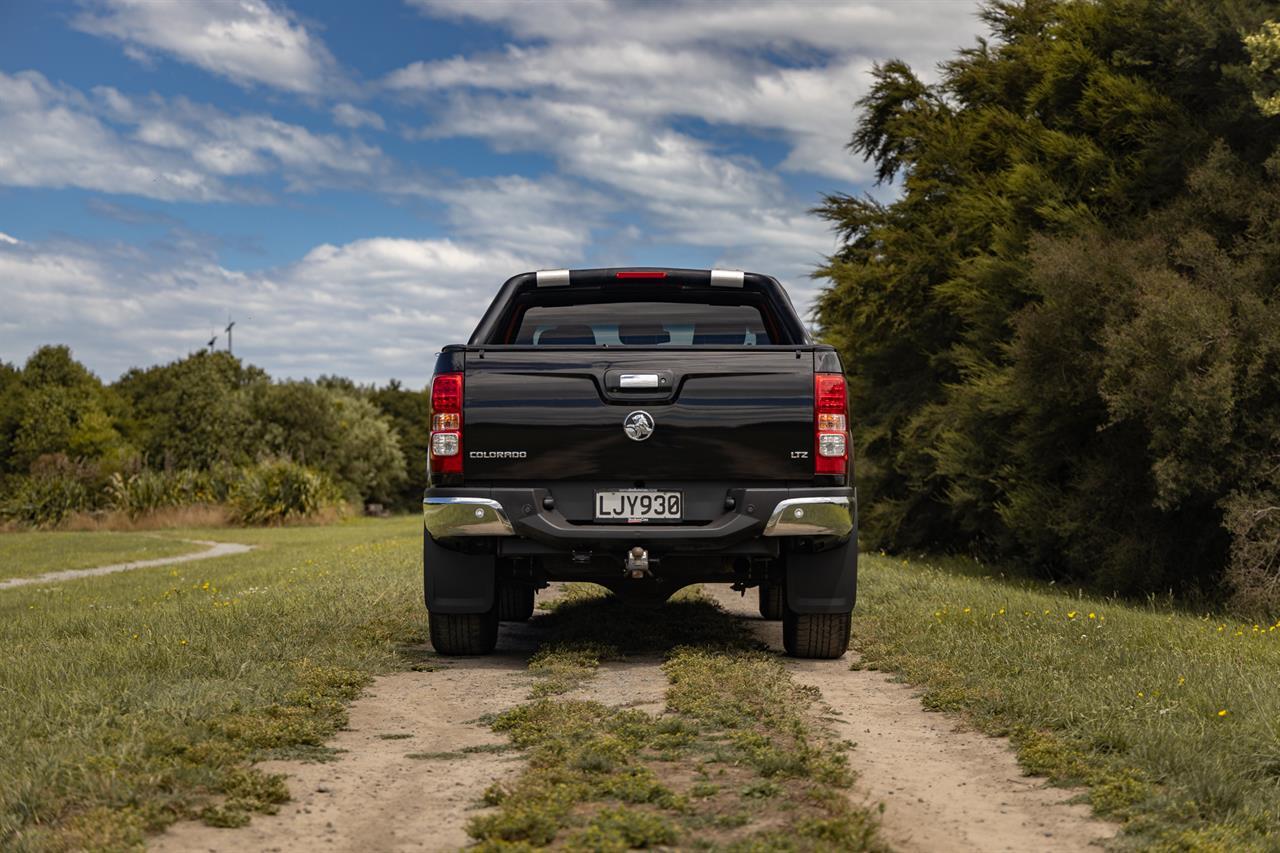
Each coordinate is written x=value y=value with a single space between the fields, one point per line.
x=278 y=490
x=56 y=488
x=148 y=490
x=1254 y=571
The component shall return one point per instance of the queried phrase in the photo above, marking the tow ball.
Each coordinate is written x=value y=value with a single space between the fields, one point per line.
x=637 y=566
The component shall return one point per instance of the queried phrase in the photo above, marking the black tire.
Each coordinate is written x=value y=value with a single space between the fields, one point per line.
x=464 y=633
x=816 y=635
x=515 y=602
x=771 y=600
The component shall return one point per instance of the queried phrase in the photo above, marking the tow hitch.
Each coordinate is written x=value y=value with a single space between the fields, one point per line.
x=637 y=565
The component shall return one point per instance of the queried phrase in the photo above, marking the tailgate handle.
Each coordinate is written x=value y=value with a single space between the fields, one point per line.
x=639 y=380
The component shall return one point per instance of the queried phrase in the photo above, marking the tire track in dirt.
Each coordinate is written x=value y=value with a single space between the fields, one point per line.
x=943 y=787
x=374 y=796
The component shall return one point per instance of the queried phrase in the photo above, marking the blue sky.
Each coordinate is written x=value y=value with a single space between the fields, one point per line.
x=352 y=181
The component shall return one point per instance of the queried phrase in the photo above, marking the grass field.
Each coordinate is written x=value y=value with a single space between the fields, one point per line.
x=1172 y=718
x=129 y=699
x=133 y=700
x=27 y=554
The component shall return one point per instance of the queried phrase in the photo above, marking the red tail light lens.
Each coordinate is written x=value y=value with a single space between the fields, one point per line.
x=446 y=424
x=640 y=274
x=830 y=428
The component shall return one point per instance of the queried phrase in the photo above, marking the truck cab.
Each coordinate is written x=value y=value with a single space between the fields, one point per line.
x=644 y=429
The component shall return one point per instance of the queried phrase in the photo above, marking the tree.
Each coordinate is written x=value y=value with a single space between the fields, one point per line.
x=54 y=405
x=409 y=413
x=1007 y=319
x=191 y=413
x=331 y=430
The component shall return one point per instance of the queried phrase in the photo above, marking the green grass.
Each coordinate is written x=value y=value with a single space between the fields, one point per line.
x=28 y=554
x=1172 y=719
x=738 y=760
x=131 y=701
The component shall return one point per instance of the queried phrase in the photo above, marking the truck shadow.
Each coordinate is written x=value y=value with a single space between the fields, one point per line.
x=612 y=627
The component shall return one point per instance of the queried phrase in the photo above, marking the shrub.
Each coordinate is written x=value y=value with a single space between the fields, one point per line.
x=278 y=490
x=149 y=490
x=56 y=488
x=1254 y=570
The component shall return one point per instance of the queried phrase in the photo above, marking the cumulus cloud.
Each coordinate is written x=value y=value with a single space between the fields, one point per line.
x=247 y=41
x=169 y=148
x=369 y=309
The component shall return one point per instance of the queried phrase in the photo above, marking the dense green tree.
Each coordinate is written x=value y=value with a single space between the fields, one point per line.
x=191 y=413
x=1049 y=264
x=54 y=405
x=409 y=411
x=330 y=429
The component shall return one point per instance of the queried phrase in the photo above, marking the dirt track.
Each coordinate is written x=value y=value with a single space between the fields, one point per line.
x=943 y=788
x=215 y=549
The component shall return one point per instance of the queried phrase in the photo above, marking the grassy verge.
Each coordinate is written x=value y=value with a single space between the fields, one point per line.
x=1172 y=719
x=737 y=760
x=135 y=700
x=33 y=553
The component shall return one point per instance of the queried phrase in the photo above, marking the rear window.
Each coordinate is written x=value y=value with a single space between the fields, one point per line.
x=648 y=324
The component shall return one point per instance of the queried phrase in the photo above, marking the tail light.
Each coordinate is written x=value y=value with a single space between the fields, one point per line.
x=446 y=423
x=830 y=429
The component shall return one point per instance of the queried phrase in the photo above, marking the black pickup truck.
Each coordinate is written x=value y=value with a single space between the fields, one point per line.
x=644 y=429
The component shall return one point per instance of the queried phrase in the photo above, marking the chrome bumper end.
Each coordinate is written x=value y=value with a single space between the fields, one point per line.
x=446 y=517
x=820 y=516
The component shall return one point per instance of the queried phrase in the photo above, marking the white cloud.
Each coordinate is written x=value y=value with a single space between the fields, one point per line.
x=169 y=149
x=551 y=219
x=718 y=62
x=651 y=104
x=246 y=41
x=920 y=31
x=50 y=137
x=5 y=238
x=369 y=309
x=349 y=115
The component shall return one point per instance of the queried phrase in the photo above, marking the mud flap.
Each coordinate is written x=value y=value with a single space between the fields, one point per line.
x=825 y=582
x=454 y=582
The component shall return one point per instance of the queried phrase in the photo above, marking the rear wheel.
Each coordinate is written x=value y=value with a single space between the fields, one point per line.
x=816 y=635
x=771 y=600
x=515 y=602
x=464 y=633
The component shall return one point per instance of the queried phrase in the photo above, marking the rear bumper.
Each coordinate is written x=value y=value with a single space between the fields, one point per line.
x=818 y=512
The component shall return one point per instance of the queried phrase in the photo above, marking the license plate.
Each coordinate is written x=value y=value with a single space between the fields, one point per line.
x=635 y=505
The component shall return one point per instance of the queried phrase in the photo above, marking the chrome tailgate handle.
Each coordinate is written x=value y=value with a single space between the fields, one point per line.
x=638 y=380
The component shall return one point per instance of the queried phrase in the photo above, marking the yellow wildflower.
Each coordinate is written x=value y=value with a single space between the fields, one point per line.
x=1222 y=713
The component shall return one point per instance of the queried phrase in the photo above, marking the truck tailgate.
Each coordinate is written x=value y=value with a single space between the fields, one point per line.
x=558 y=414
